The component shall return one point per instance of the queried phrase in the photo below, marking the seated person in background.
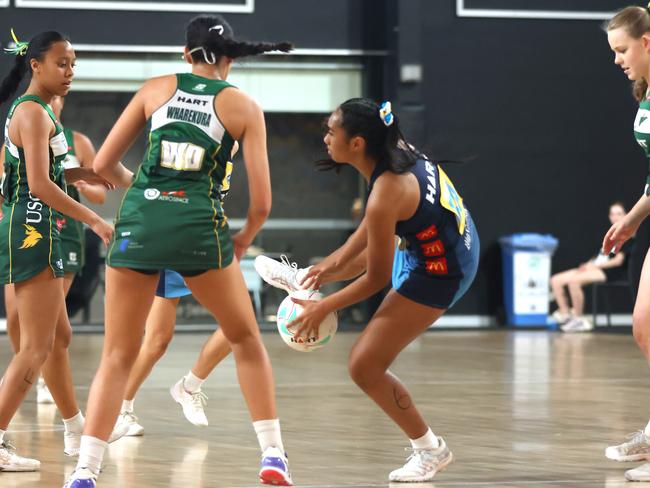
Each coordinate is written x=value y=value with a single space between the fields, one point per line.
x=597 y=270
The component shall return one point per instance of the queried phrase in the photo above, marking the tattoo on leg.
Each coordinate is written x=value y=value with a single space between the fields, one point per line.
x=29 y=377
x=28 y=380
x=402 y=400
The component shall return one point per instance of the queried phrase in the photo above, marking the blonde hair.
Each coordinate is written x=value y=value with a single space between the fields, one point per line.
x=636 y=22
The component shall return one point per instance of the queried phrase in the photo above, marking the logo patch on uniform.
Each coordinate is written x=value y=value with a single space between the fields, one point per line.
x=437 y=266
x=151 y=193
x=59 y=263
x=428 y=233
x=200 y=87
x=435 y=248
x=176 y=196
x=32 y=236
x=72 y=257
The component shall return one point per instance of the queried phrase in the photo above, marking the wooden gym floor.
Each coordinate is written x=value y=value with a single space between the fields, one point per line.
x=518 y=409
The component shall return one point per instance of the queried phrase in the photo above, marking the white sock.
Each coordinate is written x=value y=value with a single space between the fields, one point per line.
x=192 y=383
x=74 y=424
x=427 y=441
x=647 y=429
x=127 y=406
x=268 y=434
x=91 y=453
x=2 y=436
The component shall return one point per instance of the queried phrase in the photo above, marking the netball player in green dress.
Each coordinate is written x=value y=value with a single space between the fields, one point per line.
x=34 y=197
x=171 y=218
x=81 y=153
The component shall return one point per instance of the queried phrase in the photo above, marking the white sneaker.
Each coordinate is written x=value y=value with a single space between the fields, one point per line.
x=192 y=403
x=119 y=431
x=642 y=473
x=423 y=464
x=636 y=449
x=578 y=324
x=81 y=478
x=280 y=274
x=11 y=462
x=72 y=440
x=130 y=421
x=43 y=395
x=560 y=318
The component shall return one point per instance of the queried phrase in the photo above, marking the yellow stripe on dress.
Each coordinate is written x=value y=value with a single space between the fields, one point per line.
x=11 y=223
x=214 y=210
x=49 y=258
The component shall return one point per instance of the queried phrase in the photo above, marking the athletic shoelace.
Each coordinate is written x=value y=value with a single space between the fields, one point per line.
x=420 y=461
x=199 y=399
x=637 y=437
x=130 y=416
x=8 y=446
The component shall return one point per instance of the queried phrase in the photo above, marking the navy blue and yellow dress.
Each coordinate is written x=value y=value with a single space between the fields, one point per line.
x=438 y=255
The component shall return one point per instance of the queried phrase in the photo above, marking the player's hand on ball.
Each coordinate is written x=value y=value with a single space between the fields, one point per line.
x=309 y=320
x=313 y=279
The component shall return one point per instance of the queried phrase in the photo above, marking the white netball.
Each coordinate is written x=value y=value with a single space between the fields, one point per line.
x=289 y=310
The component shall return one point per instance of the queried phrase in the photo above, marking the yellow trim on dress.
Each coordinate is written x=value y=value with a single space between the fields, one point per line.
x=214 y=217
x=11 y=222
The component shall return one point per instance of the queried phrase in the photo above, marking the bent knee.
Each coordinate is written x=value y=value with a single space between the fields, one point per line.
x=575 y=284
x=36 y=353
x=241 y=335
x=158 y=347
x=363 y=371
x=63 y=337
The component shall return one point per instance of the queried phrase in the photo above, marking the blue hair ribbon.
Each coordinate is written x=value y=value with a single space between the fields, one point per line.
x=386 y=113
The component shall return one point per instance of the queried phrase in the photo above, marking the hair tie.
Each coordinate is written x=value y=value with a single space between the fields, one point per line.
x=218 y=28
x=20 y=48
x=386 y=114
x=211 y=60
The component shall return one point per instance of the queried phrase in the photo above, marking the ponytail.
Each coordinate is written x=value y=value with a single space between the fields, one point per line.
x=240 y=49
x=11 y=81
x=639 y=89
x=209 y=37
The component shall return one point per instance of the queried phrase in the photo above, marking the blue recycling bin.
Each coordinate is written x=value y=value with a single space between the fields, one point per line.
x=526 y=275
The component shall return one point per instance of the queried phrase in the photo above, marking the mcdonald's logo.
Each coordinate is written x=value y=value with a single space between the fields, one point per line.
x=437 y=266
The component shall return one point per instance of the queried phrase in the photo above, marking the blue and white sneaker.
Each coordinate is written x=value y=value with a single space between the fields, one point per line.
x=81 y=478
x=275 y=468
